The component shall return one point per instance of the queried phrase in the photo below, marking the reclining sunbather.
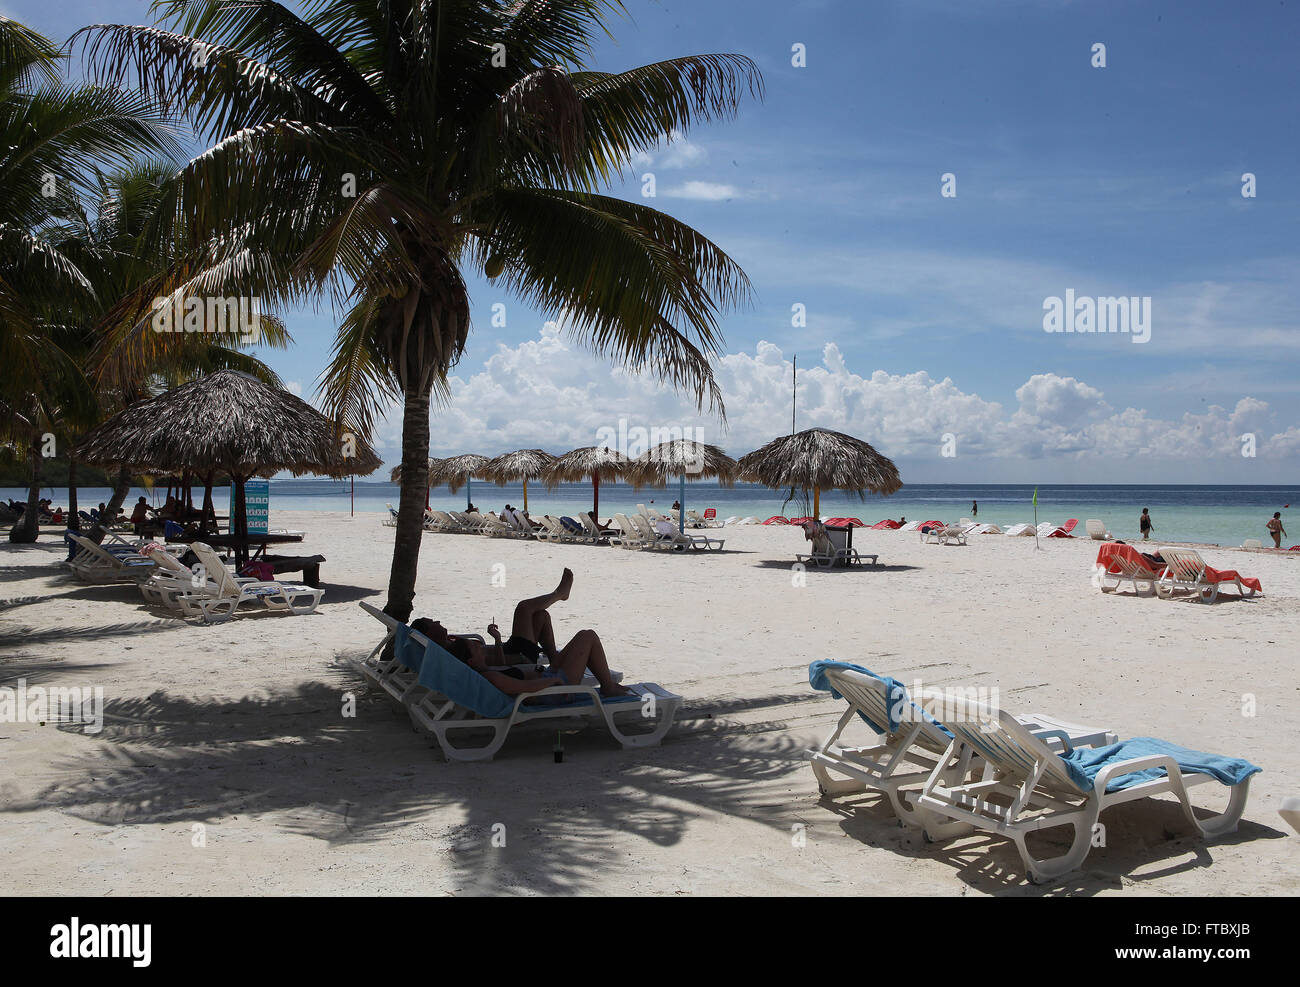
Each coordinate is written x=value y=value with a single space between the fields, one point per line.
x=531 y=637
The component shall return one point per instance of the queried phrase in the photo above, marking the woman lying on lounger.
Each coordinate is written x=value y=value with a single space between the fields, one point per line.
x=531 y=637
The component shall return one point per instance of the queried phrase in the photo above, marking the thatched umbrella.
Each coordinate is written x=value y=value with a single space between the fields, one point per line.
x=227 y=422
x=682 y=457
x=597 y=462
x=522 y=464
x=818 y=459
x=434 y=466
x=459 y=471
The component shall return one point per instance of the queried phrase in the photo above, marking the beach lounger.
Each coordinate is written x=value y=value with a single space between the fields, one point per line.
x=1185 y=569
x=95 y=564
x=1097 y=530
x=231 y=592
x=459 y=703
x=653 y=539
x=1020 y=531
x=1252 y=543
x=888 y=524
x=953 y=534
x=1064 y=530
x=842 y=553
x=599 y=535
x=908 y=744
x=1117 y=564
x=1290 y=811
x=1026 y=786
x=680 y=540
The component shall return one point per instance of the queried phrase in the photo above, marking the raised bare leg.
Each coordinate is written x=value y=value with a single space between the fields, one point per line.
x=523 y=625
x=544 y=635
x=586 y=653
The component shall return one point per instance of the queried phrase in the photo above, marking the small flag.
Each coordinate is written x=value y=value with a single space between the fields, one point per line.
x=1035 y=496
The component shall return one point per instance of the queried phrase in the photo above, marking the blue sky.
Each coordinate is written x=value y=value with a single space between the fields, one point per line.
x=924 y=313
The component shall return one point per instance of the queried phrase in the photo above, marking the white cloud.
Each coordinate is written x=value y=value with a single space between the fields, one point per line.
x=293 y=387
x=547 y=392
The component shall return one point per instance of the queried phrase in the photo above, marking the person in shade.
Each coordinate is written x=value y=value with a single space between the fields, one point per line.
x=531 y=638
x=1275 y=529
x=140 y=516
x=1144 y=523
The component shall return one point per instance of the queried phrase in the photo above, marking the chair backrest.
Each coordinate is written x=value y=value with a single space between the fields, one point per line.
x=709 y=513
x=1000 y=740
x=630 y=531
x=1185 y=563
x=1124 y=560
x=870 y=696
x=841 y=538
x=1095 y=528
x=95 y=553
x=589 y=525
x=215 y=570
x=1070 y=525
x=164 y=559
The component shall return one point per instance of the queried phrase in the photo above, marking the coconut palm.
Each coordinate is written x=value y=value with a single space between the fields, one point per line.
x=382 y=149
x=108 y=234
x=52 y=136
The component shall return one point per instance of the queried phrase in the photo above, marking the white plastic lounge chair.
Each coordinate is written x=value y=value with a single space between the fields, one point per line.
x=94 y=564
x=1020 y=531
x=446 y=717
x=1185 y=569
x=599 y=535
x=682 y=540
x=1035 y=790
x=952 y=535
x=1097 y=530
x=907 y=755
x=172 y=579
x=910 y=526
x=628 y=535
x=652 y=538
x=391 y=520
x=1118 y=564
x=231 y=592
x=1252 y=543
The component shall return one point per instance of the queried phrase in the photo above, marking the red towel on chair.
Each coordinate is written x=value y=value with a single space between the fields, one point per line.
x=1231 y=576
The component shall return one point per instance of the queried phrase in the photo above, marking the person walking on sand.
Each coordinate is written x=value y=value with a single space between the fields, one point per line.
x=1144 y=523
x=1275 y=528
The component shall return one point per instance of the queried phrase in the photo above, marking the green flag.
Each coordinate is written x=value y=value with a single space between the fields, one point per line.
x=1035 y=496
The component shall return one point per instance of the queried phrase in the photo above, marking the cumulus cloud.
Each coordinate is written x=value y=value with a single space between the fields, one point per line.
x=547 y=392
x=707 y=191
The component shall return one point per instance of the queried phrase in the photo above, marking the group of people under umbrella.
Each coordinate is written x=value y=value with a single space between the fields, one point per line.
x=813 y=460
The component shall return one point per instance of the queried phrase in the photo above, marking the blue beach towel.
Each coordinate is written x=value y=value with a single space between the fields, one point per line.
x=896 y=692
x=447 y=675
x=1084 y=763
x=572 y=526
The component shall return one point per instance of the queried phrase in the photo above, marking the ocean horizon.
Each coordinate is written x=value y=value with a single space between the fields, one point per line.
x=1221 y=514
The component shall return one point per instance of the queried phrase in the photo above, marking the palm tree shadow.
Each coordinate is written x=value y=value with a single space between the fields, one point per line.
x=528 y=823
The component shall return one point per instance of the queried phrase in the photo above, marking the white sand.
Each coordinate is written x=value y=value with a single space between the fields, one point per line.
x=239 y=727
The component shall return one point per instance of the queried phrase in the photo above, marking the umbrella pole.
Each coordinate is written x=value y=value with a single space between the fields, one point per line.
x=681 y=506
x=817 y=503
x=595 y=496
x=240 y=523
x=469 y=486
x=525 y=495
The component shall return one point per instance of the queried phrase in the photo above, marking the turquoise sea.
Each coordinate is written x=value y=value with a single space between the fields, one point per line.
x=1217 y=514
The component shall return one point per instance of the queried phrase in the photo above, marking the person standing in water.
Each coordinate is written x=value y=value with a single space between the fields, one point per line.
x=1275 y=529
x=974 y=509
x=1144 y=524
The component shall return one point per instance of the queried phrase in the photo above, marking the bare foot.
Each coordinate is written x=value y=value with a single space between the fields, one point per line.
x=614 y=691
x=566 y=584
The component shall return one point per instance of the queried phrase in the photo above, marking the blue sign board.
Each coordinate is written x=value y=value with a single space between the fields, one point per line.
x=257 y=505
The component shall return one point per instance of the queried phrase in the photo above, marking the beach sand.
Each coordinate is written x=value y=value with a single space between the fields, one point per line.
x=234 y=736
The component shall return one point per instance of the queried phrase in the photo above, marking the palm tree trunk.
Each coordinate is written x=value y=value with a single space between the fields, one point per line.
x=120 y=490
x=28 y=528
x=410 y=507
x=74 y=519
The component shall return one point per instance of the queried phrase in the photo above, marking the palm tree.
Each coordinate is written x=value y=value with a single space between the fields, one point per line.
x=51 y=136
x=381 y=148
x=115 y=243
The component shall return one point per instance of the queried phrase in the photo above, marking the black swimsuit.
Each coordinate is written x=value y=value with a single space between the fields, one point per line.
x=529 y=650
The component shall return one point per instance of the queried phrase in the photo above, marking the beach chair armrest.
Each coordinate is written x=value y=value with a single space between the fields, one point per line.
x=1049 y=734
x=1119 y=768
x=557 y=690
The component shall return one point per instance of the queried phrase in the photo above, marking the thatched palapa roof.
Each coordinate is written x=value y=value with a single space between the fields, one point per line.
x=682 y=457
x=432 y=471
x=585 y=463
x=455 y=471
x=819 y=459
x=225 y=421
x=522 y=464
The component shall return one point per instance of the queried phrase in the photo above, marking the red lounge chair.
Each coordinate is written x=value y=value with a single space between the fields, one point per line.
x=1124 y=563
x=886 y=525
x=1064 y=530
x=777 y=519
